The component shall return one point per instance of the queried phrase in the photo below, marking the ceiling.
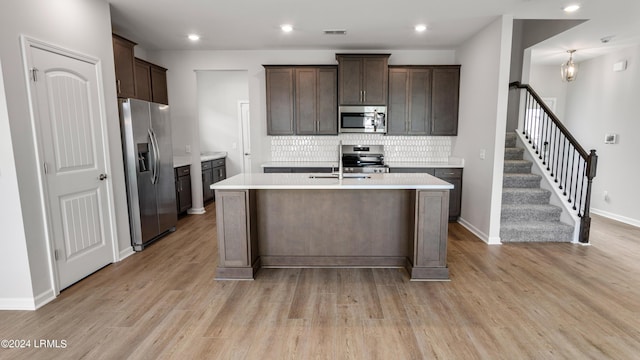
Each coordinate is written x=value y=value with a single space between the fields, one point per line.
x=369 y=25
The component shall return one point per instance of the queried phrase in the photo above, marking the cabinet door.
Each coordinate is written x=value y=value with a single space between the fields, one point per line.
x=143 y=80
x=306 y=94
x=184 y=198
x=419 y=101
x=219 y=174
x=124 y=67
x=159 y=85
x=207 y=180
x=280 y=98
x=375 y=78
x=350 y=80
x=444 y=101
x=327 y=115
x=398 y=102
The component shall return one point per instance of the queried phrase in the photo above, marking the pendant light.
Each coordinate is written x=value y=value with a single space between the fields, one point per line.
x=569 y=70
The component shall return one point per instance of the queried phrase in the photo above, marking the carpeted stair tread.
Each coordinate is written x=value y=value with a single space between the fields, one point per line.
x=521 y=180
x=513 y=153
x=536 y=231
x=510 y=140
x=517 y=166
x=525 y=196
x=530 y=212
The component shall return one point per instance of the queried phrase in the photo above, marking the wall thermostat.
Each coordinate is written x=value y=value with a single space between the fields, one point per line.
x=611 y=138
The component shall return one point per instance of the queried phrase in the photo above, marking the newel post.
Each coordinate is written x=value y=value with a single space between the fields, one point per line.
x=585 y=222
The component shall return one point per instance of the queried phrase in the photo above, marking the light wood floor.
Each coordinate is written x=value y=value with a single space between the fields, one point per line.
x=535 y=301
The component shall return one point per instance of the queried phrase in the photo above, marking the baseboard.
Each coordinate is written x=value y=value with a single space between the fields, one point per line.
x=125 y=253
x=616 y=217
x=477 y=232
x=44 y=298
x=17 y=304
x=196 y=211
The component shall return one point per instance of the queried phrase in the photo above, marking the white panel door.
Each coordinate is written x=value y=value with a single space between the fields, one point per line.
x=68 y=114
x=245 y=123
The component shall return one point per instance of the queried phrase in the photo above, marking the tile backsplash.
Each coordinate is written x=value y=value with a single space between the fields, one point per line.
x=396 y=148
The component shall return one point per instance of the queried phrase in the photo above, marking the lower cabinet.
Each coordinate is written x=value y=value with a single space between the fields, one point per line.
x=450 y=175
x=183 y=188
x=212 y=172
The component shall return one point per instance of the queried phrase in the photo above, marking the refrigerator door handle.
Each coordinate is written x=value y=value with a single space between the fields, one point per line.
x=154 y=147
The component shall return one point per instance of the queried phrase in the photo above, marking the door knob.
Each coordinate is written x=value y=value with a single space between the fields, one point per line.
x=102 y=177
x=247 y=154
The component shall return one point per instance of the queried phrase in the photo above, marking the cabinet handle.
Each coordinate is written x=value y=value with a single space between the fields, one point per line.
x=118 y=86
x=364 y=95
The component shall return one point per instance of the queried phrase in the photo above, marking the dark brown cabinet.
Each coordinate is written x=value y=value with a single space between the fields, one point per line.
x=423 y=100
x=183 y=188
x=450 y=175
x=362 y=79
x=301 y=100
x=445 y=91
x=136 y=78
x=409 y=101
x=212 y=172
x=279 y=170
x=124 y=65
x=280 y=98
x=316 y=102
x=151 y=82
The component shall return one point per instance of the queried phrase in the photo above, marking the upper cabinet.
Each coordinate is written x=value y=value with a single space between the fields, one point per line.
x=316 y=100
x=125 y=66
x=280 y=95
x=423 y=100
x=445 y=89
x=136 y=78
x=362 y=79
x=301 y=100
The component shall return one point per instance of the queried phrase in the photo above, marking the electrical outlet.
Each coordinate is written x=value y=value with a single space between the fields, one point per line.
x=234 y=145
x=187 y=149
x=605 y=196
x=483 y=154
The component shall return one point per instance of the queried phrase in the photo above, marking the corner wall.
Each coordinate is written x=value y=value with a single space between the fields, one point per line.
x=484 y=83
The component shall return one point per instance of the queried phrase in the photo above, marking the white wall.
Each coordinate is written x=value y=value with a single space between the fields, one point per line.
x=219 y=122
x=183 y=96
x=546 y=81
x=600 y=101
x=15 y=286
x=484 y=82
x=83 y=26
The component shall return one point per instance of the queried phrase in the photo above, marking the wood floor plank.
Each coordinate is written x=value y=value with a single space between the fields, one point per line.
x=514 y=301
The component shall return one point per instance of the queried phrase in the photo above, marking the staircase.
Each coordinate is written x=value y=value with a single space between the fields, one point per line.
x=527 y=215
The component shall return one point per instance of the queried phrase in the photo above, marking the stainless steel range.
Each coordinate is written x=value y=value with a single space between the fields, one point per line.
x=363 y=159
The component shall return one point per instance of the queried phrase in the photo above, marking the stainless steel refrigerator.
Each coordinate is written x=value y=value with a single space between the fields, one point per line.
x=148 y=158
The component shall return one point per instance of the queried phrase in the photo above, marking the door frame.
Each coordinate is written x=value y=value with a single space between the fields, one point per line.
x=245 y=134
x=26 y=43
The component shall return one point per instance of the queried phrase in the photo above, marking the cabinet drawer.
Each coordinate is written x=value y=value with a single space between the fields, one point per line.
x=206 y=165
x=218 y=162
x=454 y=173
x=183 y=170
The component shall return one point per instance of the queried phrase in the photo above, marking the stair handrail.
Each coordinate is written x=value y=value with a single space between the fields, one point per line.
x=590 y=160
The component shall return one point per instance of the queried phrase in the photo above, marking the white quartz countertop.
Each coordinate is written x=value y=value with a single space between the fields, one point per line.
x=304 y=181
x=185 y=160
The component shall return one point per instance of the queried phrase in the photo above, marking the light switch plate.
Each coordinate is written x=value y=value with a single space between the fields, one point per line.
x=611 y=138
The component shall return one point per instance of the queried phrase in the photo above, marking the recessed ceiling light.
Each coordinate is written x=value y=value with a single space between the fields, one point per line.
x=194 y=37
x=571 y=8
x=286 y=28
x=421 y=28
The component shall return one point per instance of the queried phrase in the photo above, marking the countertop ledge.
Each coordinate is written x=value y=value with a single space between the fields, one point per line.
x=418 y=181
x=185 y=160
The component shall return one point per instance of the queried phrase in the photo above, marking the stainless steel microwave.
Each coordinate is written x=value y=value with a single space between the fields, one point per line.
x=363 y=119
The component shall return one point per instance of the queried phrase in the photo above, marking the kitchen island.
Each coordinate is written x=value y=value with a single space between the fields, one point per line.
x=315 y=220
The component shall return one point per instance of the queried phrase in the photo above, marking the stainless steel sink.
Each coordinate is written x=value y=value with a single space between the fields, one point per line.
x=335 y=176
